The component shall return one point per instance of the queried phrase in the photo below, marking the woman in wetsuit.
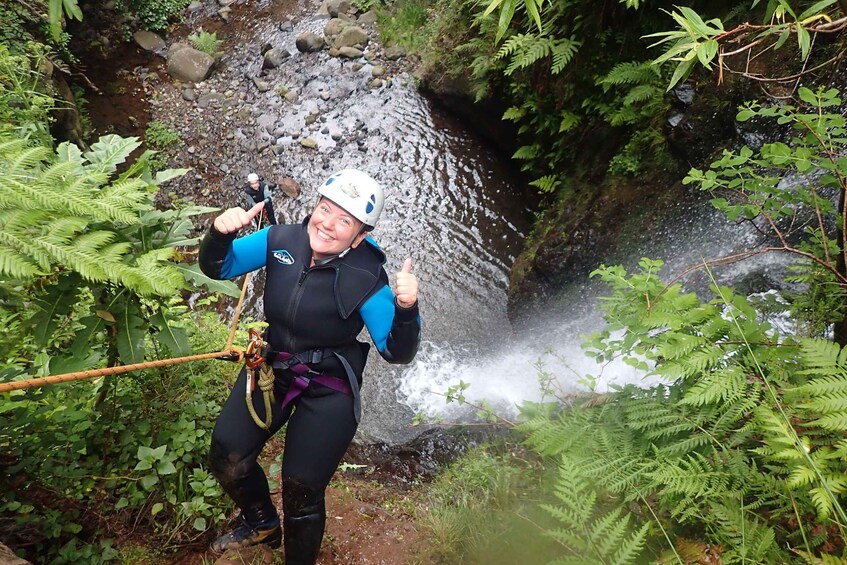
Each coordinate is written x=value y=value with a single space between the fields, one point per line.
x=325 y=282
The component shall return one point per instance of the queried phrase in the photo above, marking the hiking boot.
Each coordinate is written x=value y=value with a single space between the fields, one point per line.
x=245 y=535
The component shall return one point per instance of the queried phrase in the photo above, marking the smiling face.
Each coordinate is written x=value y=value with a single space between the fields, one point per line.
x=332 y=230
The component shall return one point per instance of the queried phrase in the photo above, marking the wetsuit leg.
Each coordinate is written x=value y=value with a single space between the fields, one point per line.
x=269 y=208
x=318 y=434
x=236 y=444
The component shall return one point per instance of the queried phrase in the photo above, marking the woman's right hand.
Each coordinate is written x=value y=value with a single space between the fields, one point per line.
x=234 y=219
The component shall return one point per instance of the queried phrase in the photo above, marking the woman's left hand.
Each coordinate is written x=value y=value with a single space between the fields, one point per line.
x=406 y=286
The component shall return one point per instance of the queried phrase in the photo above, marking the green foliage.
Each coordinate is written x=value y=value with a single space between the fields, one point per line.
x=154 y=14
x=160 y=136
x=587 y=534
x=139 y=458
x=207 y=43
x=786 y=185
x=55 y=9
x=55 y=211
x=401 y=23
x=697 y=40
x=524 y=50
x=483 y=509
x=25 y=99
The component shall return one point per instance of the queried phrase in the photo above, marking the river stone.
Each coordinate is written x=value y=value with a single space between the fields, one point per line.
x=333 y=27
x=274 y=58
x=190 y=65
x=309 y=42
x=261 y=85
x=394 y=52
x=224 y=13
x=335 y=7
x=176 y=46
x=290 y=187
x=195 y=5
x=150 y=41
x=309 y=143
x=367 y=18
x=351 y=36
x=286 y=26
x=349 y=52
x=356 y=67
x=375 y=83
x=291 y=96
x=378 y=71
x=205 y=100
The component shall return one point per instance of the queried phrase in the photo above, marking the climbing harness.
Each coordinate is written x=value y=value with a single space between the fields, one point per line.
x=261 y=363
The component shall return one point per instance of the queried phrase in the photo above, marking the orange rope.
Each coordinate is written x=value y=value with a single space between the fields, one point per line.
x=92 y=373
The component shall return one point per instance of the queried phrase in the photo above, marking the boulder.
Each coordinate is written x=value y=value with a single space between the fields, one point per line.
x=150 y=41
x=190 y=65
x=290 y=187
x=309 y=42
x=351 y=37
x=274 y=58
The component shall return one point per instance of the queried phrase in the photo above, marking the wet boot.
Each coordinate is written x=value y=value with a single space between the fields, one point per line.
x=304 y=520
x=253 y=528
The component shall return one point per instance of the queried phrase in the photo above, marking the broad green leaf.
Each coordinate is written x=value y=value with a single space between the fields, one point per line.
x=110 y=151
x=681 y=73
x=130 y=329
x=807 y=96
x=194 y=274
x=168 y=174
x=783 y=37
x=815 y=8
x=172 y=337
x=804 y=40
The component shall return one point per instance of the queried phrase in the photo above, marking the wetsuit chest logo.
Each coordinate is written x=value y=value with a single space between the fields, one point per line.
x=283 y=257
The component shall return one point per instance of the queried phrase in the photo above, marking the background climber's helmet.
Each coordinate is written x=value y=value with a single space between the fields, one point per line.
x=359 y=194
x=252 y=177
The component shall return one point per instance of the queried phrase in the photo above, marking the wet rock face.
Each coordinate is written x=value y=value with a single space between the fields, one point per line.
x=420 y=459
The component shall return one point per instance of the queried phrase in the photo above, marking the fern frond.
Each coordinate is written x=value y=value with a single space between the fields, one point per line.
x=633 y=72
x=723 y=385
x=563 y=52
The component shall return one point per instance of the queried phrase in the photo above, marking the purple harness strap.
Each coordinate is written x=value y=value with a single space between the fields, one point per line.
x=304 y=376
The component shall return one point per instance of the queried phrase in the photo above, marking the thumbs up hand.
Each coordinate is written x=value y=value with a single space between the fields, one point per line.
x=234 y=219
x=406 y=286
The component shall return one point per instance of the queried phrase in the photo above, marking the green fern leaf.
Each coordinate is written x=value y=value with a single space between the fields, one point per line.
x=110 y=151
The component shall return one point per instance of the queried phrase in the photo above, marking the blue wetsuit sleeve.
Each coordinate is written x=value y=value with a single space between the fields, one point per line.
x=246 y=254
x=224 y=257
x=395 y=331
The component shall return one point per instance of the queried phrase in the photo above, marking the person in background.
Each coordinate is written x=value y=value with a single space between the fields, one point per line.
x=257 y=190
x=324 y=283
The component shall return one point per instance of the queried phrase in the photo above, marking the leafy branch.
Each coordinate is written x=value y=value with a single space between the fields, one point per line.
x=701 y=41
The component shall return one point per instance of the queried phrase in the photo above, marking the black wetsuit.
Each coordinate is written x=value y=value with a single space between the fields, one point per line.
x=254 y=196
x=308 y=309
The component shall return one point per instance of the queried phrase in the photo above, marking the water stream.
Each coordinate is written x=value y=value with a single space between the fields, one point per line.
x=453 y=205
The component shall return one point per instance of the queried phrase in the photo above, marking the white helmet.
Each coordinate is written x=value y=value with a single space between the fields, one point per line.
x=359 y=194
x=252 y=177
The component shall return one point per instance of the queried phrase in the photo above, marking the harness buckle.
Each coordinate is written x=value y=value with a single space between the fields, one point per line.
x=256 y=350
